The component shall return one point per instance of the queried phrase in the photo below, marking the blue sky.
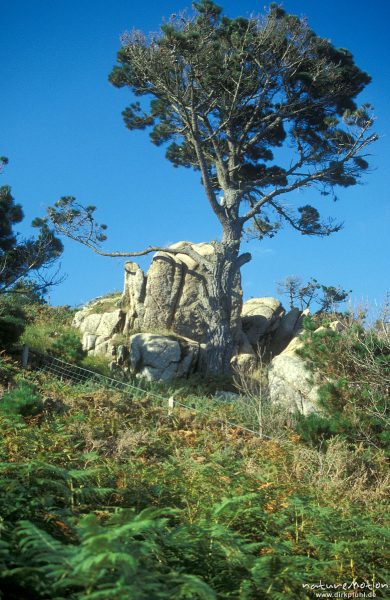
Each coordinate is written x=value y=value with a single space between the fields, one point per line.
x=62 y=130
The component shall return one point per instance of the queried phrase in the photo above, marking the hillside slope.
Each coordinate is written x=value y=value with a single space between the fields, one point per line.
x=104 y=496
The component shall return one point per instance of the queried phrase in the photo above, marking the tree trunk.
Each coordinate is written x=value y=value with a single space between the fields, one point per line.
x=221 y=349
x=221 y=331
x=222 y=290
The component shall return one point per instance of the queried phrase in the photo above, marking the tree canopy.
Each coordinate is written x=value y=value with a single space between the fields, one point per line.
x=261 y=106
x=226 y=95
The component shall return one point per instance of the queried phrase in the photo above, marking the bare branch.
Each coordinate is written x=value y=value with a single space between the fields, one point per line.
x=77 y=223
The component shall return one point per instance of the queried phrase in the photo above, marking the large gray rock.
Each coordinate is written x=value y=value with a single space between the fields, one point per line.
x=260 y=317
x=161 y=358
x=98 y=329
x=87 y=322
x=175 y=284
x=291 y=384
x=246 y=358
x=289 y=327
x=110 y=323
x=89 y=341
x=166 y=300
x=133 y=298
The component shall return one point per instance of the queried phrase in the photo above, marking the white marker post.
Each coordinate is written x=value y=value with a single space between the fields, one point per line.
x=171 y=403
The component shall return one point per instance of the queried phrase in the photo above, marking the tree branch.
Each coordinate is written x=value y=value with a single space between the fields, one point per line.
x=311 y=178
x=90 y=240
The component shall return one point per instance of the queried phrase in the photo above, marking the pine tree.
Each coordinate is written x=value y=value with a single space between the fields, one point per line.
x=22 y=262
x=225 y=96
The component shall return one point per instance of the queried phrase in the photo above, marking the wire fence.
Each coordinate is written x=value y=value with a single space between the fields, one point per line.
x=80 y=375
x=76 y=374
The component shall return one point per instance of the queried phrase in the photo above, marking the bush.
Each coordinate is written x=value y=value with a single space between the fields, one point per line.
x=85 y=488
x=44 y=325
x=12 y=321
x=11 y=328
x=84 y=497
x=355 y=366
x=98 y=364
x=23 y=401
x=8 y=369
x=68 y=346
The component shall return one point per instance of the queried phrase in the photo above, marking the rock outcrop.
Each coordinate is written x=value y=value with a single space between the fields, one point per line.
x=168 y=298
x=99 y=328
x=133 y=298
x=161 y=358
x=260 y=317
x=246 y=357
x=290 y=382
x=165 y=306
x=289 y=326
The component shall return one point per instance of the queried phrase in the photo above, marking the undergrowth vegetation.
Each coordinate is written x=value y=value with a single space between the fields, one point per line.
x=105 y=496
x=354 y=365
x=48 y=329
x=110 y=495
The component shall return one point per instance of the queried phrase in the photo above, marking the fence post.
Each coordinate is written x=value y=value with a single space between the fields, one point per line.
x=171 y=403
x=25 y=356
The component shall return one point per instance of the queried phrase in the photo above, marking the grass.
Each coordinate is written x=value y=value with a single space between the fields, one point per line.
x=107 y=303
x=44 y=325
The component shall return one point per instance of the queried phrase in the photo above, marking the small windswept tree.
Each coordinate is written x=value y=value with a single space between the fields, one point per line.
x=262 y=107
x=25 y=263
x=303 y=295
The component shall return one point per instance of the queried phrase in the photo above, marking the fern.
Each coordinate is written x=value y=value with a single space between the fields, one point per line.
x=123 y=559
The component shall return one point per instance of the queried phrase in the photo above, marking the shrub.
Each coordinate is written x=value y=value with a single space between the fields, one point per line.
x=8 y=369
x=84 y=497
x=23 y=401
x=11 y=328
x=12 y=322
x=99 y=364
x=68 y=346
x=355 y=366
